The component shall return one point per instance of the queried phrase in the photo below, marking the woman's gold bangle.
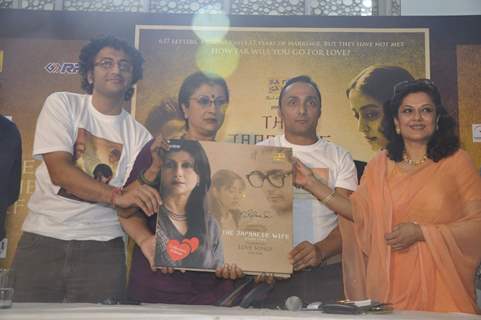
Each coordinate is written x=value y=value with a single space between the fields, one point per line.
x=146 y=181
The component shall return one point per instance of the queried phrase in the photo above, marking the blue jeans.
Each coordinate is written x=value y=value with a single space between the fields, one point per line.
x=52 y=270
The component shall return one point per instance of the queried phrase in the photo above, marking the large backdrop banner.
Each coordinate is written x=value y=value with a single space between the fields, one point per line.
x=257 y=61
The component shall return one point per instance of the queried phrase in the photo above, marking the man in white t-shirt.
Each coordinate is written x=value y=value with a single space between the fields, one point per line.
x=71 y=248
x=317 y=241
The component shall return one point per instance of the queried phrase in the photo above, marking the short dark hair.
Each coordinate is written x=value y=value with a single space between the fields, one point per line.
x=377 y=81
x=302 y=79
x=90 y=51
x=194 y=81
x=444 y=141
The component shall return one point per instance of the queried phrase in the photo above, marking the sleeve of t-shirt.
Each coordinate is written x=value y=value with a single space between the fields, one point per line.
x=347 y=174
x=55 y=128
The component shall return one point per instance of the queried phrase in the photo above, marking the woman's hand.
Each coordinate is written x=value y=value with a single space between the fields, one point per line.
x=166 y=270
x=147 y=246
x=265 y=277
x=159 y=146
x=231 y=271
x=404 y=235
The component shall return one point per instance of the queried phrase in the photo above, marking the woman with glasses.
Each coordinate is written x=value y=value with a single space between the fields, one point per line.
x=367 y=93
x=203 y=99
x=417 y=212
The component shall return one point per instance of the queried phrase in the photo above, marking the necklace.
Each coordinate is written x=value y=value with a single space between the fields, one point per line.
x=412 y=162
x=175 y=216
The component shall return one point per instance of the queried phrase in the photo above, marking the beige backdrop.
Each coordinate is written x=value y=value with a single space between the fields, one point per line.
x=469 y=93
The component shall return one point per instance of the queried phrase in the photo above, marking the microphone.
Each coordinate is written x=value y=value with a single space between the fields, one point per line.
x=293 y=303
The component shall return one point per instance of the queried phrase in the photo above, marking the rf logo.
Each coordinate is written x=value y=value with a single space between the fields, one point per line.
x=62 y=68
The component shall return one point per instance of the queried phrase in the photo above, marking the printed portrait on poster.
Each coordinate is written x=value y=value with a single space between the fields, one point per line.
x=218 y=209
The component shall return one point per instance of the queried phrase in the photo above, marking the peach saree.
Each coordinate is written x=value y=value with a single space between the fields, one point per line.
x=437 y=274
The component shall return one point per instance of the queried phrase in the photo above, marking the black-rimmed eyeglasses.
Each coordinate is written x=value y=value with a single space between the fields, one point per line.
x=108 y=64
x=205 y=101
x=275 y=177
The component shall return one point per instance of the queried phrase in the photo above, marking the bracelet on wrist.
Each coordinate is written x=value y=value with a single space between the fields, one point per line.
x=144 y=180
x=115 y=193
x=328 y=198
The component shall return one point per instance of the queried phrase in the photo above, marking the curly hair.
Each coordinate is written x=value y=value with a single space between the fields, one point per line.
x=90 y=51
x=443 y=142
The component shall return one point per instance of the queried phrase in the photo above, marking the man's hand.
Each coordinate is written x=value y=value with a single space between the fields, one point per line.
x=404 y=235
x=229 y=272
x=304 y=255
x=141 y=196
x=300 y=173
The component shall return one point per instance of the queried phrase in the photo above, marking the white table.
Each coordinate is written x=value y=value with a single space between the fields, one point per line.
x=74 y=311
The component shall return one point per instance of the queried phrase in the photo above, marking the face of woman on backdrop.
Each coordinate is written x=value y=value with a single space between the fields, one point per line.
x=230 y=196
x=368 y=112
x=416 y=117
x=178 y=175
x=206 y=111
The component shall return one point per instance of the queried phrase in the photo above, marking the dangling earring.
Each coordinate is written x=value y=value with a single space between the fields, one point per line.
x=437 y=124
x=398 y=131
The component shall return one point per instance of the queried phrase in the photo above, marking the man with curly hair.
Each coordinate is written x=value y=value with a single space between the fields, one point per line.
x=71 y=249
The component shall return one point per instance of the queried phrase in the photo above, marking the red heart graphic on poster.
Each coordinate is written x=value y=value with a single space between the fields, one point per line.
x=192 y=242
x=178 y=251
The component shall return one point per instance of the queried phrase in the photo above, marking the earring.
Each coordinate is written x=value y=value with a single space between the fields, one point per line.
x=437 y=124
x=398 y=131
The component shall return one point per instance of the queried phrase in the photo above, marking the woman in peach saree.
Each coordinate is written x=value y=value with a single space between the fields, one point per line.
x=416 y=214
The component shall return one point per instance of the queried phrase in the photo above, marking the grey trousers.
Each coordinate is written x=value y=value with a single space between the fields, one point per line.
x=52 y=270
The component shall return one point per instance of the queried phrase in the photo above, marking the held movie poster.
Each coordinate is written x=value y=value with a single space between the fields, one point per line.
x=219 y=209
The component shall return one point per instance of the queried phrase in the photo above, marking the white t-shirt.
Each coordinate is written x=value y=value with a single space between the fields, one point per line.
x=312 y=220
x=104 y=144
